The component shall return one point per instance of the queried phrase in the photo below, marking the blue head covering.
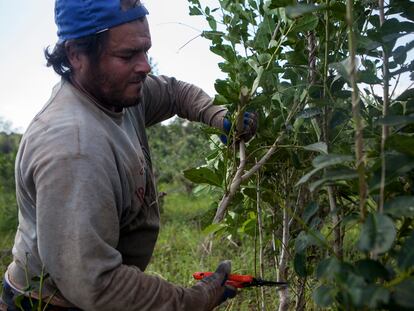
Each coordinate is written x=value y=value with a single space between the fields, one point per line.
x=80 y=18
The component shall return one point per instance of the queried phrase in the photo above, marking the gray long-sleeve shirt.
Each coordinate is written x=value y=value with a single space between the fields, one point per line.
x=88 y=213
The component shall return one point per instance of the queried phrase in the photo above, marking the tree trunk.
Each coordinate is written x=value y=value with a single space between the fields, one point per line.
x=300 y=299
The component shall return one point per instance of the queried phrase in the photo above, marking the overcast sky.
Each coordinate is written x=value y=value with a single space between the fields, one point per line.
x=27 y=27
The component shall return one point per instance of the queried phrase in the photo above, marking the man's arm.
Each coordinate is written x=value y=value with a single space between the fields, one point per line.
x=78 y=231
x=166 y=97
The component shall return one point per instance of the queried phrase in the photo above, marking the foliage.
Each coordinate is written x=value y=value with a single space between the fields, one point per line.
x=8 y=208
x=330 y=172
x=174 y=148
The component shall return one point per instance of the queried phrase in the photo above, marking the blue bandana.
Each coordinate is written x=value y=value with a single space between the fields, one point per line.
x=80 y=18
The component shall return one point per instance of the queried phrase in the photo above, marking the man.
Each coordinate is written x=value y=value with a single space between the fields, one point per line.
x=88 y=213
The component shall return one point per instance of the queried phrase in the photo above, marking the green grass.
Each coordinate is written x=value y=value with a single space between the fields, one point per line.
x=178 y=253
x=6 y=244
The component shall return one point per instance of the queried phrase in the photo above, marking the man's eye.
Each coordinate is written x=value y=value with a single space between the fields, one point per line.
x=125 y=57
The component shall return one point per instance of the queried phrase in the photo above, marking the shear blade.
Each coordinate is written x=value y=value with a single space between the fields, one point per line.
x=260 y=282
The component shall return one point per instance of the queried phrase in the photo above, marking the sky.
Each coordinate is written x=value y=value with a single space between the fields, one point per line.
x=27 y=27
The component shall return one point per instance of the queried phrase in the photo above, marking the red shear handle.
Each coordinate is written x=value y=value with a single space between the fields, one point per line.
x=235 y=280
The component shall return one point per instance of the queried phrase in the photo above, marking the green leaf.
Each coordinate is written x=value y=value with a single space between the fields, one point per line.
x=211 y=35
x=406 y=95
x=18 y=301
x=212 y=22
x=371 y=270
x=400 y=55
x=213 y=228
x=299 y=265
x=355 y=288
x=320 y=147
x=306 y=23
x=368 y=77
x=403 y=294
x=393 y=25
x=203 y=175
x=273 y=4
x=296 y=58
x=195 y=11
x=306 y=177
x=366 y=44
x=301 y=9
x=328 y=268
x=308 y=113
x=396 y=120
x=324 y=296
x=309 y=211
x=323 y=161
x=224 y=51
x=256 y=81
x=401 y=143
x=402 y=206
x=378 y=234
x=334 y=175
x=406 y=256
x=306 y=239
x=397 y=164
x=374 y=296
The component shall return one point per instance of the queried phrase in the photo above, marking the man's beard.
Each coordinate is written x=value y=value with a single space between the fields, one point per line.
x=111 y=94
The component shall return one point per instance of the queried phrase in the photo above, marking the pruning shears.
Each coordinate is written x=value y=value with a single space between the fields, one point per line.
x=241 y=280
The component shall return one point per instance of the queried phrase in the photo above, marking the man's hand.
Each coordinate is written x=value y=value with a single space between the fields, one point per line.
x=219 y=278
x=249 y=128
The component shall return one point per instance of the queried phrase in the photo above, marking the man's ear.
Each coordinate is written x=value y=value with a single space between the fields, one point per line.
x=76 y=59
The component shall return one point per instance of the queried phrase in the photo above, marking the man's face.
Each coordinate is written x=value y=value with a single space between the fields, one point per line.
x=116 y=79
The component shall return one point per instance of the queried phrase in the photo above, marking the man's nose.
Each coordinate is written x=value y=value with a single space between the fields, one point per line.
x=142 y=65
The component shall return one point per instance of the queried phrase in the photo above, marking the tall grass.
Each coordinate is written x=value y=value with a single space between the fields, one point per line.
x=6 y=244
x=178 y=254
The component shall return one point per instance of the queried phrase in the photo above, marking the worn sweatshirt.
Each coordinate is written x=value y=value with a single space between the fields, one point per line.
x=88 y=212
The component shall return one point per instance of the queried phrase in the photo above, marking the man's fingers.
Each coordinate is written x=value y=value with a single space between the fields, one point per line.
x=224 y=267
x=245 y=131
x=228 y=293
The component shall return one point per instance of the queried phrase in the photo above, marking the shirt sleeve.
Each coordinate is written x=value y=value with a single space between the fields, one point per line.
x=165 y=97
x=78 y=231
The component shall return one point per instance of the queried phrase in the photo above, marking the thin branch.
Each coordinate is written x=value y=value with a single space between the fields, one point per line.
x=359 y=142
x=282 y=275
x=234 y=186
x=395 y=86
x=188 y=42
x=181 y=24
x=260 y=226
x=385 y=106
